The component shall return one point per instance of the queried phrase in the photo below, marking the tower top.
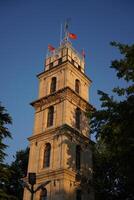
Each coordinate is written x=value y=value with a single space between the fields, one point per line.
x=65 y=52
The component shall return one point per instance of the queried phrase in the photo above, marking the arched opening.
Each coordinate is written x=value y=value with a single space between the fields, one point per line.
x=53 y=85
x=77 y=86
x=78 y=157
x=77 y=118
x=43 y=194
x=47 y=154
x=50 y=116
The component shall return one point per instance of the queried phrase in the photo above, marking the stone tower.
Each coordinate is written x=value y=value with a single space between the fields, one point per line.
x=60 y=146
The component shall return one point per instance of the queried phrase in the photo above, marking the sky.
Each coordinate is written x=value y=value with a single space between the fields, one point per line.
x=26 y=29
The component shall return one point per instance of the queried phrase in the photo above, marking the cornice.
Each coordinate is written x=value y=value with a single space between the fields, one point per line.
x=53 y=174
x=65 y=129
x=56 y=174
x=46 y=134
x=63 y=94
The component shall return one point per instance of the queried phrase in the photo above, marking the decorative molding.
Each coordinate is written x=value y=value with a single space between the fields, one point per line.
x=63 y=94
x=71 y=133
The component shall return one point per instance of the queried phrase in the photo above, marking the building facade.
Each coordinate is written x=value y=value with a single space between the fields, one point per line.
x=60 y=146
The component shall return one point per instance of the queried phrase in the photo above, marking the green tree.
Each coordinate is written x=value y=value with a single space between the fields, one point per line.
x=18 y=170
x=4 y=132
x=5 y=119
x=114 y=129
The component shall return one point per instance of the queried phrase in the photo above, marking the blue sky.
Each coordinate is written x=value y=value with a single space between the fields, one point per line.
x=26 y=29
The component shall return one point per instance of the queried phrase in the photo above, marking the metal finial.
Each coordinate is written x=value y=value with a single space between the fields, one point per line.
x=66 y=26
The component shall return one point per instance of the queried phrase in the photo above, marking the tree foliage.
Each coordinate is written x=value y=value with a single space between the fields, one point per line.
x=114 y=129
x=10 y=175
x=5 y=119
x=18 y=170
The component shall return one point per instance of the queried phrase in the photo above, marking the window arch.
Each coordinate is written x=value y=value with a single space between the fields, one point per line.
x=78 y=194
x=53 y=85
x=77 y=86
x=77 y=118
x=47 y=154
x=43 y=194
x=50 y=116
x=78 y=157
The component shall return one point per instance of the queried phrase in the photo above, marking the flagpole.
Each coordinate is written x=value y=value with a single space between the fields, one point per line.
x=61 y=34
x=66 y=30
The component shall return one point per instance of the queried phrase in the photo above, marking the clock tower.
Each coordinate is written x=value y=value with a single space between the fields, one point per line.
x=60 y=146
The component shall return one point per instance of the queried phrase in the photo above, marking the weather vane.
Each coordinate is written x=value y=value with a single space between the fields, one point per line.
x=66 y=26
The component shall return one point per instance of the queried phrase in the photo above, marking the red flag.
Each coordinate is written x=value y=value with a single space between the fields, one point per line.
x=72 y=36
x=51 y=48
x=83 y=53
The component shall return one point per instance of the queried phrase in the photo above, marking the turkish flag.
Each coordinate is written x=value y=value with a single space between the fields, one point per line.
x=72 y=36
x=50 y=47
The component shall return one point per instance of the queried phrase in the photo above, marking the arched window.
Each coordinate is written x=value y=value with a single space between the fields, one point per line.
x=53 y=85
x=78 y=157
x=50 y=116
x=77 y=86
x=43 y=194
x=47 y=154
x=77 y=118
x=78 y=195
